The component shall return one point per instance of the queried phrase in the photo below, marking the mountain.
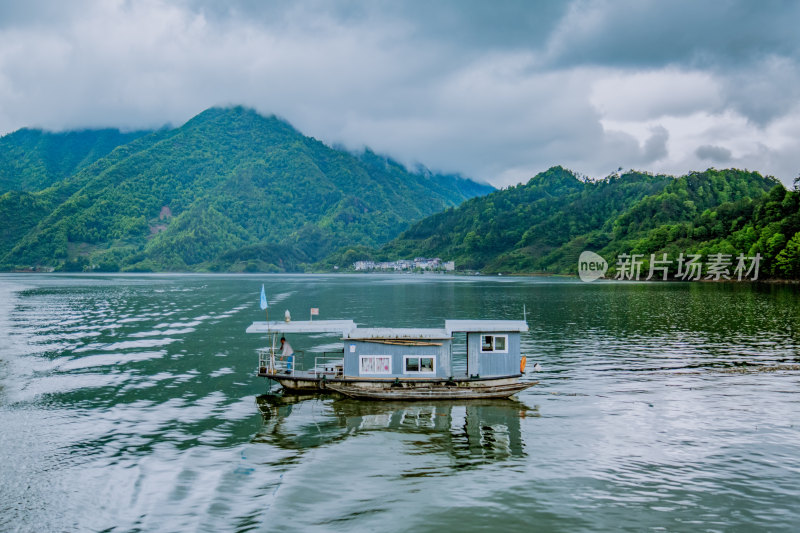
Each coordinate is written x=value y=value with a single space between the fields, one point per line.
x=228 y=190
x=32 y=159
x=544 y=225
x=514 y=228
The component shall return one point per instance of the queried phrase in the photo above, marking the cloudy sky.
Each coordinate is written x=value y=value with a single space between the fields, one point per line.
x=495 y=90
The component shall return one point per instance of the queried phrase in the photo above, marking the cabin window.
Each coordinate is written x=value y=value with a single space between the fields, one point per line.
x=494 y=343
x=419 y=364
x=375 y=364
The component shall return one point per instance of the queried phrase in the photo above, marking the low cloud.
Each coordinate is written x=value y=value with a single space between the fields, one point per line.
x=716 y=154
x=496 y=92
x=655 y=147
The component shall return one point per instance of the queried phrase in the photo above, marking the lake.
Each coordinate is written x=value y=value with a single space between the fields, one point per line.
x=131 y=403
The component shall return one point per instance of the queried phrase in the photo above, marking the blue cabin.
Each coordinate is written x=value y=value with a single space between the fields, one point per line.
x=492 y=347
x=397 y=352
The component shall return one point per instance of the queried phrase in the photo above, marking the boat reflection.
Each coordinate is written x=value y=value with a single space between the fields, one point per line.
x=470 y=432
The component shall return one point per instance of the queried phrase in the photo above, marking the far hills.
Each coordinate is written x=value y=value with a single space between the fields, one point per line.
x=542 y=226
x=229 y=190
x=232 y=190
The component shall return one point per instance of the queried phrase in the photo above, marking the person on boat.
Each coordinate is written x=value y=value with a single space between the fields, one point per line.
x=287 y=353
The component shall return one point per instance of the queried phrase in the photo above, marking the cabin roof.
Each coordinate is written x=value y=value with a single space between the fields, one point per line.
x=342 y=327
x=485 y=326
x=397 y=333
x=347 y=328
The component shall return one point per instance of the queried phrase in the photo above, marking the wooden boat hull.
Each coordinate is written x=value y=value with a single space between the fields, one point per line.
x=299 y=384
x=307 y=381
x=441 y=392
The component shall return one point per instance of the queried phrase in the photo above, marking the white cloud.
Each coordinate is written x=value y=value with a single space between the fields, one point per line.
x=652 y=94
x=770 y=150
x=716 y=154
x=496 y=94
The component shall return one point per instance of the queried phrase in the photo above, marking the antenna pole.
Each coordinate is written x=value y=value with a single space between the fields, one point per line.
x=272 y=348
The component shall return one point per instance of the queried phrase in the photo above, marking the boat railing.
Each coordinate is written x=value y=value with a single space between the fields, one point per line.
x=272 y=362
x=329 y=364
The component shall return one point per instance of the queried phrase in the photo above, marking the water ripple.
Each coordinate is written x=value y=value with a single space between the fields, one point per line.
x=127 y=402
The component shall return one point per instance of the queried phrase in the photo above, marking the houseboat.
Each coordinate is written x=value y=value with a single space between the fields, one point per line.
x=399 y=363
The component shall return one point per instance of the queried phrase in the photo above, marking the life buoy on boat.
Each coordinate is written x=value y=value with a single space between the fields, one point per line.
x=522 y=362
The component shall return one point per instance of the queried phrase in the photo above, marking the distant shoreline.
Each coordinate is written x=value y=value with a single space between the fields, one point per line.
x=774 y=281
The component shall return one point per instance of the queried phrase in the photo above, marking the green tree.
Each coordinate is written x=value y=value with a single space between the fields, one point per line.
x=788 y=260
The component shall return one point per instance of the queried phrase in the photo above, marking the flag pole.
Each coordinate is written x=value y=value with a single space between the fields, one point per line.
x=265 y=307
x=265 y=304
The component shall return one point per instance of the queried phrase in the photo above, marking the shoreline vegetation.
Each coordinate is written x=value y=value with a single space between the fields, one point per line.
x=233 y=191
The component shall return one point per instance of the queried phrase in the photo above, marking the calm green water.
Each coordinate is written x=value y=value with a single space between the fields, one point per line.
x=130 y=403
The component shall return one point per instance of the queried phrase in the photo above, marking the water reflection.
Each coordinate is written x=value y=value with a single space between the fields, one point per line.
x=470 y=433
x=127 y=403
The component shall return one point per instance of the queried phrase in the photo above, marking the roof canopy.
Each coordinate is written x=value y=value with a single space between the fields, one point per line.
x=348 y=329
x=342 y=327
x=485 y=326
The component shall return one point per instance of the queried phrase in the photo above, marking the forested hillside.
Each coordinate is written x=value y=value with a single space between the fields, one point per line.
x=232 y=190
x=31 y=160
x=228 y=190
x=544 y=225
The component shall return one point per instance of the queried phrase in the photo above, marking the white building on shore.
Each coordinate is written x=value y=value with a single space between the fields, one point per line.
x=418 y=263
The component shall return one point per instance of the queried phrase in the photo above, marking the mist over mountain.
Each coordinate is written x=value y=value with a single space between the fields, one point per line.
x=228 y=190
x=232 y=190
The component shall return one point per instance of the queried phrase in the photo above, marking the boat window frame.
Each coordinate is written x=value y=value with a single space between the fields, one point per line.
x=494 y=337
x=419 y=372
x=361 y=358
